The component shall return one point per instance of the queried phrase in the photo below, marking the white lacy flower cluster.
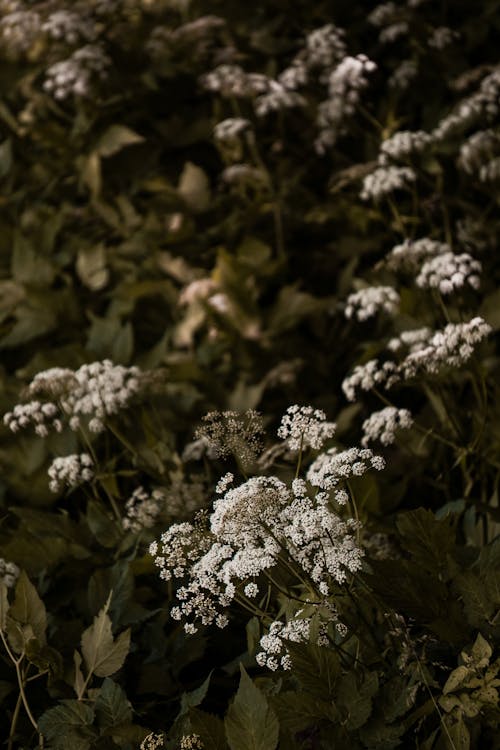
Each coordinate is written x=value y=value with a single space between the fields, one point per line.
x=402 y=144
x=382 y=425
x=230 y=129
x=152 y=741
x=480 y=154
x=304 y=427
x=9 y=573
x=252 y=526
x=367 y=302
x=191 y=742
x=403 y=75
x=441 y=37
x=480 y=107
x=143 y=508
x=94 y=392
x=274 y=653
x=70 y=471
x=449 y=272
x=19 y=29
x=345 y=84
x=69 y=27
x=429 y=352
x=385 y=180
x=232 y=81
x=409 y=255
x=75 y=75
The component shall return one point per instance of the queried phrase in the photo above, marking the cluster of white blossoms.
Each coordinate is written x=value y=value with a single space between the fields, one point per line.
x=274 y=654
x=19 y=29
x=345 y=84
x=428 y=352
x=232 y=81
x=368 y=376
x=403 y=75
x=305 y=427
x=94 y=392
x=278 y=96
x=191 y=742
x=75 y=75
x=70 y=471
x=449 y=272
x=480 y=107
x=367 y=302
x=325 y=47
x=385 y=180
x=450 y=347
x=409 y=255
x=479 y=154
x=180 y=499
x=382 y=425
x=142 y=509
x=230 y=129
x=9 y=573
x=153 y=741
x=69 y=27
x=334 y=467
x=441 y=37
x=401 y=145
x=253 y=525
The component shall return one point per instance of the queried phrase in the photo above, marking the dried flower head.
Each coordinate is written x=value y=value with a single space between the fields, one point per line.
x=232 y=433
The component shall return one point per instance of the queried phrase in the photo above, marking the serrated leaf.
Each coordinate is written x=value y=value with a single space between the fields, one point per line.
x=317 y=669
x=112 y=707
x=68 y=725
x=102 y=654
x=28 y=608
x=429 y=540
x=79 y=682
x=210 y=729
x=251 y=723
x=297 y=711
x=356 y=699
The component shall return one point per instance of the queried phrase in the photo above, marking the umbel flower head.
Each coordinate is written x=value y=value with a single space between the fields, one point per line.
x=256 y=525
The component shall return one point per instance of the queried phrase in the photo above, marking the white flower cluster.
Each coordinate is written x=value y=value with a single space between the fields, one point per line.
x=429 y=352
x=232 y=81
x=250 y=527
x=385 y=180
x=19 y=29
x=9 y=573
x=367 y=302
x=305 y=427
x=479 y=154
x=230 y=129
x=335 y=467
x=448 y=272
x=481 y=106
x=94 y=391
x=69 y=27
x=403 y=75
x=367 y=376
x=401 y=145
x=383 y=425
x=345 y=83
x=42 y=416
x=450 y=347
x=325 y=47
x=441 y=37
x=278 y=96
x=75 y=75
x=142 y=509
x=191 y=742
x=153 y=741
x=70 y=471
x=274 y=653
x=409 y=255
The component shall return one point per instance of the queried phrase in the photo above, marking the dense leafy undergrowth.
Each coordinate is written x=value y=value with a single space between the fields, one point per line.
x=249 y=309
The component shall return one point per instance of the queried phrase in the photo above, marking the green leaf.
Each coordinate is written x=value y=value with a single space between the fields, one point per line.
x=297 y=711
x=68 y=725
x=429 y=540
x=356 y=699
x=115 y=139
x=28 y=608
x=79 y=682
x=251 y=723
x=459 y=735
x=195 y=697
x=194 y=187
x=481 y=652
x=5 y=157
x=91 y=266
x=210 y=729
x=316 y=668
x=112 y=707
x=102 y=654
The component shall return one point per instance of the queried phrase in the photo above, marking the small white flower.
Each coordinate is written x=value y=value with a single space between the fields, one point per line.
x=305 y=427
